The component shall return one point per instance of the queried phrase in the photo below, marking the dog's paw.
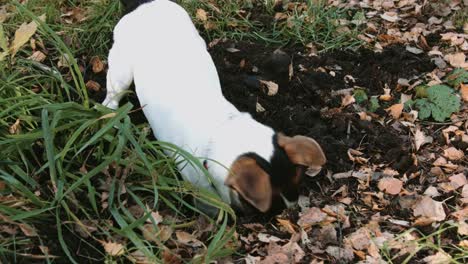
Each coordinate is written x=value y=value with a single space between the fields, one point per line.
x=112 y=104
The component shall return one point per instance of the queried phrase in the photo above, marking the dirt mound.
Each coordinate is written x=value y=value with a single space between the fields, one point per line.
x=308 y=99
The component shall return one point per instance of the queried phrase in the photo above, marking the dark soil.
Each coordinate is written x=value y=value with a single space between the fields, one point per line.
x=307 y=105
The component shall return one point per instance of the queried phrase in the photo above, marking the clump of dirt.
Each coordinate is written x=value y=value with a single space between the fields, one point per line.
x=308 y=99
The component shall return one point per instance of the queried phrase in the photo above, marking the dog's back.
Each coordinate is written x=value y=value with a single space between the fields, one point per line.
x=175 y=78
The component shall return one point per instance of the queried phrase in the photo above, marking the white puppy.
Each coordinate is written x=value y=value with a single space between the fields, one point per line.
x=158 y=48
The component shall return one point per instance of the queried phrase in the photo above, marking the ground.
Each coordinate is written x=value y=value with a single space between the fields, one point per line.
x=381 y=85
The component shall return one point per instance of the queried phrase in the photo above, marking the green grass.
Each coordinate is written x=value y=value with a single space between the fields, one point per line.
x=74 y=172
x=307 y=22
x=76 y=164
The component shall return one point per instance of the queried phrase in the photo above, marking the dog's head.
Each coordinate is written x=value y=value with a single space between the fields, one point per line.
x=262 y=182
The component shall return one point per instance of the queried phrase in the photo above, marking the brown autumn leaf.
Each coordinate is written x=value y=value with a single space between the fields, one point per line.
x=343 y=254
x=287 y=225
x=275 y=258
x=92 y=85
x=188 y=239
x=428 y=208
x=463 y=243
x=157 y=218
x=453 y=154
x=23 y=34
x=458 y=180
x=170 y=257
x=15 y=128
x=113 y=249
x=347 y=100
x=259 y=108
x=390 y=185
x=3 y=14
x=464 y=193
x=457 y=60
x=464 y=92
x=421 y=139
x=37 y=56
x=462 y=228
x=267 y=238
x=311 y=217
x=439 y=258
x=28 y=230
x=386 y=96
x=271 y=86
x=75 y=15
x=395 y=110
x=97 y=64
x=201 y=15
x=361 y=239
x=390 y=16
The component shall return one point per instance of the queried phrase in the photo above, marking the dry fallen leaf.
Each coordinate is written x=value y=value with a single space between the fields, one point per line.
x=428 y=208
x=463 y=228
x=259 y=108
x=343 y=254
x=266 y=238
x=421 y=139
x=439 y=258
x=386 y=96
x=92 y=85
x=390 y=16
x=395 y=110
x=458 y=180
x=271 y=86
x=464 y=193
x=347 y=100
x=201 y=15
x=157 y=218
x=390 y=185
x=312 y=216
x=287 y=225
x=113 y=249
x=97 y=64
x=463 y=243
x=3 y=15
x=37 y=56
x=28 y=230
x=431 y=191
x=361 y=239
x=23 y=34
x=464 y=92
x=453 y=154
x=457 y=60
x=188 y=239
x=170 y=257
x=15 y=128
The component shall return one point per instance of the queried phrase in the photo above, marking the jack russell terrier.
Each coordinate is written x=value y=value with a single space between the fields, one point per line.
x=157 y=47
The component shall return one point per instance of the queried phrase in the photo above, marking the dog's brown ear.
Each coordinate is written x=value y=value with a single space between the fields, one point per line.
x=251 y=182
x=303 y=151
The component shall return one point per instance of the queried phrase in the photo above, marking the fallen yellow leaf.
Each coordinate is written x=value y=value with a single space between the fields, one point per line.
x=464 y=92
x=271 y=86
x=113 y=249
x=202 y=15
x=395 y=110
x=23 y=34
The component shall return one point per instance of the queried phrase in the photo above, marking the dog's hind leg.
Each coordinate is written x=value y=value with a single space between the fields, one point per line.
x=119 y=75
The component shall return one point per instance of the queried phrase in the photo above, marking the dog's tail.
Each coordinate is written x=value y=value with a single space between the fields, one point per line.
x=130 y=5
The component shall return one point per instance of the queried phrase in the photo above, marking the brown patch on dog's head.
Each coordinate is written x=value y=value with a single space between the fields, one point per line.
x=303 y=151
x=251 y=182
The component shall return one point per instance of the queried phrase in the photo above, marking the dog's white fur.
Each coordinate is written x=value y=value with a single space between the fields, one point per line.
x=158 y=47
